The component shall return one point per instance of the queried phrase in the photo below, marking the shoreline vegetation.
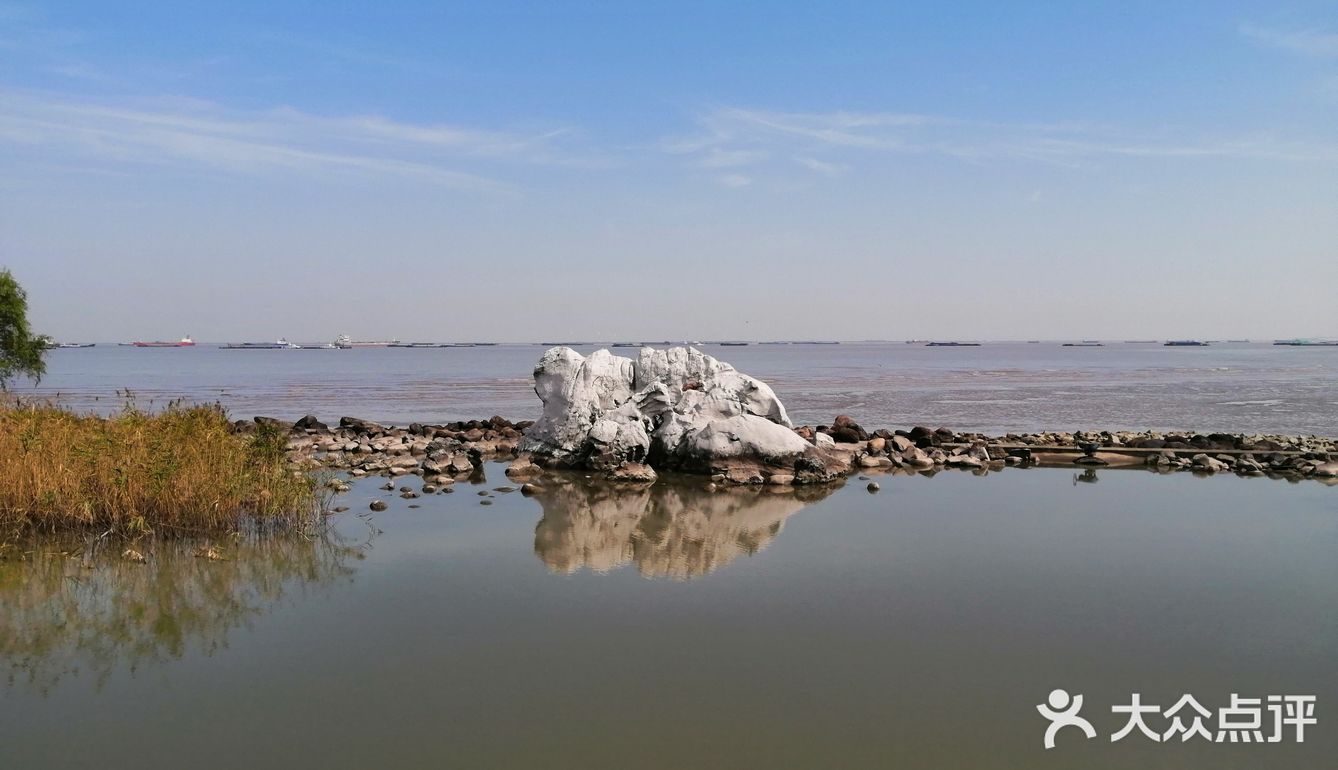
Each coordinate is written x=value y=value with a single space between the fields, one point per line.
x=180 y=471
x=187 y=471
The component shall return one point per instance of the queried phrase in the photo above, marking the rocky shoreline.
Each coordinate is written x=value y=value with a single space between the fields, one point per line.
x=441 y=454
x=680 y=410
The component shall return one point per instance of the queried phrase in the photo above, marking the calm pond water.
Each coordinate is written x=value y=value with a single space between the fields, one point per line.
x=995 y=388
x=590 y=628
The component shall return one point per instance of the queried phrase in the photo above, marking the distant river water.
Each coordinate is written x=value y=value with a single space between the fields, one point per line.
x=999 y=387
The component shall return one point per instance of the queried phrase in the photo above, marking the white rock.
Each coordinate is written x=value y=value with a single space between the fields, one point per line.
x=678 y=405
x=621 y=431
x=677 y=367
x=576 y=392
x=745 y=436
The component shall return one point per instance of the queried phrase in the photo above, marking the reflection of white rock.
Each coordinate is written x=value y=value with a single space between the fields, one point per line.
x=676 y=408
x=668 y=530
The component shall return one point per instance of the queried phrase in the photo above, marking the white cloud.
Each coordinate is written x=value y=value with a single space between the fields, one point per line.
x=1307 y=42
x=832 y=142
x=716 y=157
x=822 y=167
x=204 y=135
x=734 y=180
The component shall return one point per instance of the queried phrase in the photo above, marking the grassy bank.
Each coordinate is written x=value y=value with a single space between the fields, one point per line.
x=181 y=470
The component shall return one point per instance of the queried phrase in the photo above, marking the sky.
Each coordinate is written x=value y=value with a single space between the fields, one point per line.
x=621 y=170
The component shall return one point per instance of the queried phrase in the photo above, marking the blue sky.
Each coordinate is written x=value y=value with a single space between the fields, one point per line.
x=516 y=171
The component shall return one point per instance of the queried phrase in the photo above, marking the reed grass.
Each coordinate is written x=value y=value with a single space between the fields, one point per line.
x=179 y=470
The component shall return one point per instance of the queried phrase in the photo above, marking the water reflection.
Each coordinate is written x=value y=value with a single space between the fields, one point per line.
x=673 y=530
x=75 y=608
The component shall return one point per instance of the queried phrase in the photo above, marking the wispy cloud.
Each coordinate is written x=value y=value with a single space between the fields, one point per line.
x=734 y=180
x=831 y=143
x=822 y=167
x=716 y=157
x=1306 y=42
x=206 y=136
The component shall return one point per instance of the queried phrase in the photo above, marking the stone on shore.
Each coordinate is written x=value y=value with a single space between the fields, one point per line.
x=677 y=409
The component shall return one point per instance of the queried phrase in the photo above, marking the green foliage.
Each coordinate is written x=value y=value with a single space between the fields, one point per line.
x=20 y=350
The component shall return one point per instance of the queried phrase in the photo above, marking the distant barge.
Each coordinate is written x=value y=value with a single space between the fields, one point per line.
x=184 y=342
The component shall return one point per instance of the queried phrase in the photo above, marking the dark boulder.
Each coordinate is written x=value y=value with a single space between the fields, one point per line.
x=272 y=423
x=846 y=430
x=364 y=427
x=310 y=422
x=923 y=437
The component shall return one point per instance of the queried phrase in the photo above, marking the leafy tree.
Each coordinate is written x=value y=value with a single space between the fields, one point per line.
x=20 y=350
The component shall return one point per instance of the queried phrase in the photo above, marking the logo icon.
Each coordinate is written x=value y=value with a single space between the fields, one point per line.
x=1062 y=711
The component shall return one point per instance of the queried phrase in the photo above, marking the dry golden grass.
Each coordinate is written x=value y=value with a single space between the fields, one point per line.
x=181 y=470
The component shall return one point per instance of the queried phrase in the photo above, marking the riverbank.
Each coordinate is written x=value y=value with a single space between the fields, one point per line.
x=178 y=471
x=446 y=452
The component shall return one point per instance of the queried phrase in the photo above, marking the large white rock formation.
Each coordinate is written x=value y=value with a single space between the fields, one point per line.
x=673 y=408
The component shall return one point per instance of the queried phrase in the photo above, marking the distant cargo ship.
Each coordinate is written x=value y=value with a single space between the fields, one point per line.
x=1085 y=344
x=1306 y=343
x=68 y=345
x=184 y=342
x=952 y=344
x=1186 y=344
x=280 y=344
x=344 y=341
